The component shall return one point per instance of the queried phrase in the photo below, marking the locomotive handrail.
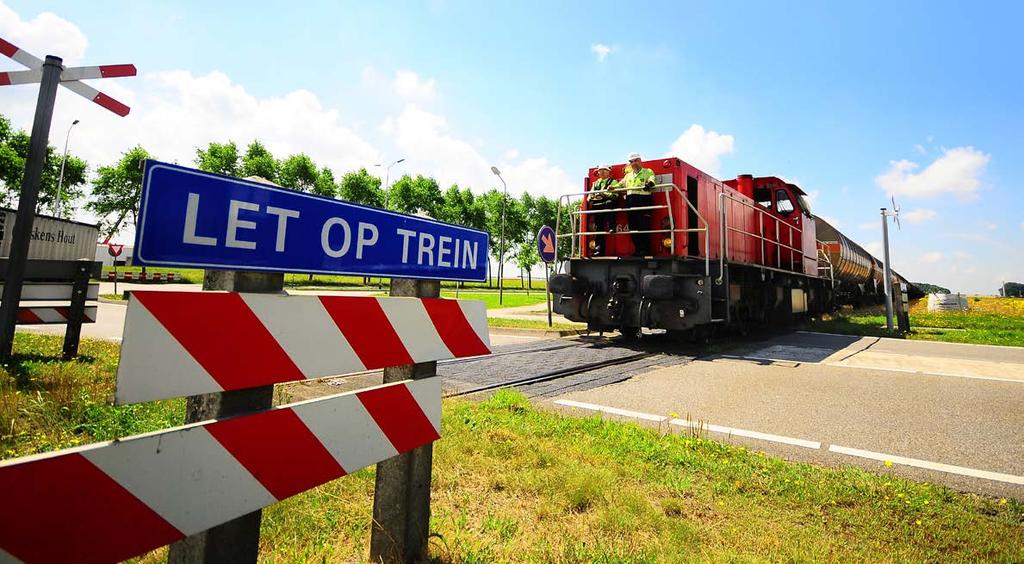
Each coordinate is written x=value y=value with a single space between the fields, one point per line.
x=576 y=215
x=724 y=230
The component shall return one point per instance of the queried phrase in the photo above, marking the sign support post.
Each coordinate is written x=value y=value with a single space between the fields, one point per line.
x=52 y=68
x=401 y=497
x=79 y=291
x=547 y=248
x=237 y=540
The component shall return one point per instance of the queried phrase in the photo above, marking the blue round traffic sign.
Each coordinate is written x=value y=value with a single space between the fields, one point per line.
x=546 y=244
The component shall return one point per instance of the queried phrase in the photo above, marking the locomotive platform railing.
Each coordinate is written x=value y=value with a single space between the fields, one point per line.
x=576 y=220
x=825 y=268
x=725 y=229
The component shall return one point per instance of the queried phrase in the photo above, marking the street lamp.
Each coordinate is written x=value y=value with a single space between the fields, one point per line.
x=387 y=172
x=501 y=258
x=60 y=182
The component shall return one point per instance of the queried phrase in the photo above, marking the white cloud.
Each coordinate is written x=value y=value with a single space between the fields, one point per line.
x=510 y=155
x=931 y=257
x=45 y=34
x=875 y=248
x=989 y=225
x=961 y=254
x=425 y=139
x=173 y=112
x=601 y=50
x=702 y=148
x=1022 y=225
x=919 y=215
x=956 y=172
x=409 y=86
x=872 y=226
x=920 y=149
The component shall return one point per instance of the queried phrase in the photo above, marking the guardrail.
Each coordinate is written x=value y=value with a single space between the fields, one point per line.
x=576 y=217
x=725 y=229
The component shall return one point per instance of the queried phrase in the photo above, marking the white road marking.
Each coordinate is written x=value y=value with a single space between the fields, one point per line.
x=695 y=425
x=691 y=424
x=933 y=342
x=928 y=465
x=613 y=410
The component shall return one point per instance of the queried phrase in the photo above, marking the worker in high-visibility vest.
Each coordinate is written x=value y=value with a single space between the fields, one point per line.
x=602 y=197
x=639 y=183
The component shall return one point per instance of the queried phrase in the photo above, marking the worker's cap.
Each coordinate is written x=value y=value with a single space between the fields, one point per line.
x=633 y=157
x=604 y=167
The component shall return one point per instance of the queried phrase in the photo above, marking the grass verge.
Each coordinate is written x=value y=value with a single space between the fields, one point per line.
x=514 y=483
x=954 y=327
x=47 y=403
x=531 y=324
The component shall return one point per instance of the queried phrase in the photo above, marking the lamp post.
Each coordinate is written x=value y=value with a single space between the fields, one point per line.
x=60 y=181
x=501 y=258
x=387 y=171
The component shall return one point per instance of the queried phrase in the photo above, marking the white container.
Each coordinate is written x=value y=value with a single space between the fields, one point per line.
x=947 y=302
x=52 y=238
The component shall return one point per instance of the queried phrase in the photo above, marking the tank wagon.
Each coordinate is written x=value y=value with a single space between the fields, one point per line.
x=733 y=253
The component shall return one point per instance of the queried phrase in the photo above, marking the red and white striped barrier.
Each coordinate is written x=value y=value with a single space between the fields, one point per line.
x=187 y=343
x=143 y=276
x=111 y=501
x=48 y=315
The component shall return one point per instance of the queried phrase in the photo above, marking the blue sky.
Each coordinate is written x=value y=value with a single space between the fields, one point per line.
x=853 y=102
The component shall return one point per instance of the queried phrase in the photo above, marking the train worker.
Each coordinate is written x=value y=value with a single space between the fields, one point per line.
x=639 y=183
x=603 y=196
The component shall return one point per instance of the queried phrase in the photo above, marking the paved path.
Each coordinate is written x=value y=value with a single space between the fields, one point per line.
x=947 y=413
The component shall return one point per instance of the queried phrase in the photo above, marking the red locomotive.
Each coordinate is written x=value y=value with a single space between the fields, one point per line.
x=733 y=253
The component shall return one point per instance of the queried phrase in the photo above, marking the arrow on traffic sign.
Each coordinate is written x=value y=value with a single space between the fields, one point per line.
x=70 y=77
x=549 y=246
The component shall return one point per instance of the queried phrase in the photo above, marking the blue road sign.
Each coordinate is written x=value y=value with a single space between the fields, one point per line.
x=198 y=219
x=547 y=244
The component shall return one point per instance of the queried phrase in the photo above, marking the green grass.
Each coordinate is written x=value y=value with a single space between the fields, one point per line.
x=491 y=298
x=47 y=403
x=113 y=297
x=954 y=327
x=532 y=324
x=514 y=483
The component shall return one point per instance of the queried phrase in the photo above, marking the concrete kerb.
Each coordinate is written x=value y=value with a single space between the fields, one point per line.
x=548 y=333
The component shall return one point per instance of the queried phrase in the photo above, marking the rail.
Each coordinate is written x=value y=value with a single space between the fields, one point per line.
x=724 y=230
x=576 y=220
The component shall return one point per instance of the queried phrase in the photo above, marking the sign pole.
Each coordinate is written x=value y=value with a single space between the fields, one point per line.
x=401 y=497
x=237 y=540
x=52 y=68
x=547 y=289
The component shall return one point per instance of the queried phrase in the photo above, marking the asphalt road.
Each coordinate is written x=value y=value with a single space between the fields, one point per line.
x=946 y=413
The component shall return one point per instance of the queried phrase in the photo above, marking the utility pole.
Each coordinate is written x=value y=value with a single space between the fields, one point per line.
x=888 y=270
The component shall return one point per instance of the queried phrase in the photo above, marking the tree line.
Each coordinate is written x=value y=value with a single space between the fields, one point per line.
x=117 y=187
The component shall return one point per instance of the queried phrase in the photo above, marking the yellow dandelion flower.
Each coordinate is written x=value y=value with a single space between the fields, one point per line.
x=888 y=463
x=1002 y=501
x=918 y=521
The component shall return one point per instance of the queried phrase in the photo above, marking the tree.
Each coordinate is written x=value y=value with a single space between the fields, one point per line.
x=361 y=187
x=526 y=259
x=219 y=158
x=930 y=288
x=117 y=188
x=259 y=162
x=325 y=184
x=415 y=195
x=298 y=172
x=1012 y=290
x=460 y=206
x=14 y=146
x=515 y=223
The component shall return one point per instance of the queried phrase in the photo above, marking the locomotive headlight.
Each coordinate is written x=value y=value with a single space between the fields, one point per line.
x=666 y=242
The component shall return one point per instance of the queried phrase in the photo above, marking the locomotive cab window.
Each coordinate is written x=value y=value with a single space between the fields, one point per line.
x=763 y=197
x=783 y=204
